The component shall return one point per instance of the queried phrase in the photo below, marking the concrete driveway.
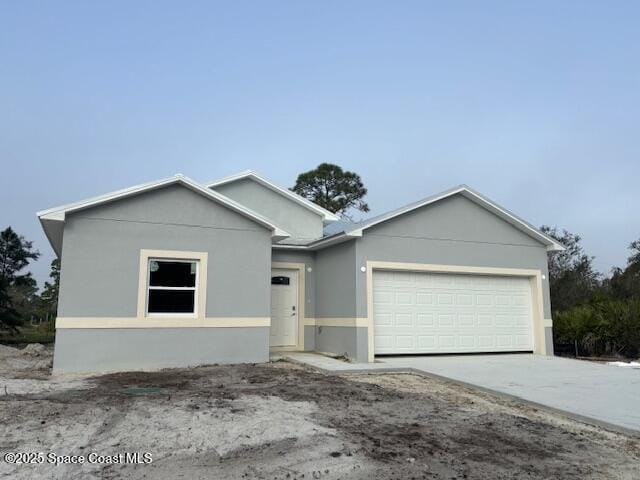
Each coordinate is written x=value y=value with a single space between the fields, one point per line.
x=604 y=393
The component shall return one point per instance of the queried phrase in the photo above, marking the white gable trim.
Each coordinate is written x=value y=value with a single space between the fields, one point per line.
x=58 y=214
x=467 y=192
x=477 y=198
x=326 y=215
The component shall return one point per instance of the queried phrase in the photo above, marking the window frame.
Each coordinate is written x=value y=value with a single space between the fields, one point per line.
x=200 y=297
x=149 y=287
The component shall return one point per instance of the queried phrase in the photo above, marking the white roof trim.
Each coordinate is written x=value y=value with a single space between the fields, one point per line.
x=59 y=213
x=551 y=244
x=320 y=243
x=327 y=216
x=477 y=198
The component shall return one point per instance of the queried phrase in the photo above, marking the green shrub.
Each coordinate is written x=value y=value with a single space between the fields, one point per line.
x=44 y=333
x=572 y=326
x=601 y=327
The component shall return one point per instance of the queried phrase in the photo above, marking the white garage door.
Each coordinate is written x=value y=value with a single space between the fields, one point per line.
x=450 y=313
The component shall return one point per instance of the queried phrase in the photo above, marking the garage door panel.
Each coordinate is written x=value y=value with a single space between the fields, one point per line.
x=404 y=298
x=484 y=299
x=463 y=299
x=521 y=320
x=423 y=281
x=384 y=341
x=383 y=319
x=384 y=297
x=486 y=341
x=405 y=341
x=445 y=299
x=446 y=341
x=504 y=341
x=445 y=320
x=404 y=320
x=424 y=298
x=503 y=320
x=425 y=320
x=466 y=320
x=462 y=280
x=503 y=301
x=398 y=279
x=450 y=313
x=520 y=300
x=427 y=341
x=466 y=341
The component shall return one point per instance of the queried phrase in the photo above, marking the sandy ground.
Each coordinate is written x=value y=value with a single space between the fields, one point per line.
x=282 y=421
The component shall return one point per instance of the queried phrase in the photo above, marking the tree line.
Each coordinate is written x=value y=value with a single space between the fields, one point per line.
x=593 y=314
x=19 y=297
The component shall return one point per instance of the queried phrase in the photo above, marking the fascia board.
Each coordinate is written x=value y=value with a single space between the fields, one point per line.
x=324 y=213
x=58 y=214
x=550 y=243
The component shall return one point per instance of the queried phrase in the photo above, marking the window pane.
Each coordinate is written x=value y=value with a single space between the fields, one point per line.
x=171 y=301
x=172 y=274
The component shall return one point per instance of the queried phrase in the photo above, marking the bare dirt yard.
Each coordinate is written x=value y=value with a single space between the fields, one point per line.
x=283 y=421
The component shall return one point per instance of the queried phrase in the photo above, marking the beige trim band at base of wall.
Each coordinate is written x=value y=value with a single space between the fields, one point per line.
x=162 y=322
x=337 y=322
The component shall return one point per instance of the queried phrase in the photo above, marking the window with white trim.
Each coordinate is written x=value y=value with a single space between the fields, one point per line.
x=172 y=286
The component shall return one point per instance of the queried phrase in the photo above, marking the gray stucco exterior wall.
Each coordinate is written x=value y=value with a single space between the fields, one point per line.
x=300 y=222
x=101 y=350
x=336 y=299
x=454 y=231
x=348 y=341
x=548 y=338
x=101 y=252
x=309 y=338
x=100 y=273
x=336 y=281
x=331 y=294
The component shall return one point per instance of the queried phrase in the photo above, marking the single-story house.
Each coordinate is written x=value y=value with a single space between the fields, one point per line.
x=177 y=273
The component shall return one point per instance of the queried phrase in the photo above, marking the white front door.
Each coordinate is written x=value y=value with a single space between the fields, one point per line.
x=284 y=307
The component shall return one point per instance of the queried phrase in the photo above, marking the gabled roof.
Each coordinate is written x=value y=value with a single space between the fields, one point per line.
x=52 y=219
x=326 y=215
x=356 y=230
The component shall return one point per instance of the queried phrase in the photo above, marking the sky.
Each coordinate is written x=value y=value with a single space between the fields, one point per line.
x=534 y=104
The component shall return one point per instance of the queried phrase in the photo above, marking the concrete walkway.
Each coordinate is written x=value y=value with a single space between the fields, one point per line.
x=333 y=366
x=595 y=393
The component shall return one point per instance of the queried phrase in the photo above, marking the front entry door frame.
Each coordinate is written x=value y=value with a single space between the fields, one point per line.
x=300 y=268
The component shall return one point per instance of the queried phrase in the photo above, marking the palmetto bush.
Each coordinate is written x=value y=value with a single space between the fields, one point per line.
x=602 y=327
